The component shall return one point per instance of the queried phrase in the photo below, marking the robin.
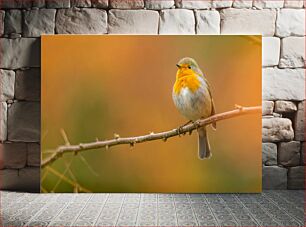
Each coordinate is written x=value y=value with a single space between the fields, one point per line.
x=192 y=97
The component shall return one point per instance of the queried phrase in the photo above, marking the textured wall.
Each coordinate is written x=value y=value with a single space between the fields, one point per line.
x=281 y=22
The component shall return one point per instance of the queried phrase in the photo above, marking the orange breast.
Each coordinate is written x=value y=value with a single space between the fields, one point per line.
x=190 y=81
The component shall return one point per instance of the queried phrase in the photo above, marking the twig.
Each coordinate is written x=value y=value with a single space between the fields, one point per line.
x=149 y=137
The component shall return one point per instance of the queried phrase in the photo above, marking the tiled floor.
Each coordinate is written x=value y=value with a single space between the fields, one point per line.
x=271 y=208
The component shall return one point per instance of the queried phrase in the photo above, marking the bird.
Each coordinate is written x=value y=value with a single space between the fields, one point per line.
x=193 y=98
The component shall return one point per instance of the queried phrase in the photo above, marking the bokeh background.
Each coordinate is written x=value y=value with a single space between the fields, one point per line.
x=95 y=86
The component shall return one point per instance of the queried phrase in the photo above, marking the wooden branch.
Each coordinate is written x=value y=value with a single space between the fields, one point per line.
x=239 y=111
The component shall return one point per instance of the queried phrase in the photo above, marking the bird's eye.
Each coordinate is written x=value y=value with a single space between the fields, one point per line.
x=189 y=67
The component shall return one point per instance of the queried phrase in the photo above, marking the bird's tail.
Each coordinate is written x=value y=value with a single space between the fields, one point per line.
x=204 y=147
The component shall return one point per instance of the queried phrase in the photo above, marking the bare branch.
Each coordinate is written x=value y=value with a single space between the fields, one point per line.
x=149 y=137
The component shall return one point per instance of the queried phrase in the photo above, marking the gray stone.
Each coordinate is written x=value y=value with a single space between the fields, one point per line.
x=267 y=107
x=208 y=22
x=38 y=22
x=299 y=122
x=33 y=154
x=80 y=21
x=133 y=21
x=283 y=84
x=159 y=4
x=14 y=155
x=192 y=4
x=221 y=3
x=99 y=3
x=248 y=21
x=270 y=51
x=261 y=4
x=293 y=52
x=242 y=4
x=285 y=106
x=276 y=129
x=24 y=122
x=80 y=3
x=303 y=160
x=56 y=4
x=7 y=80
x=26 y=179
x=269 y=154
x=296 y=177
x=177 y=21
x=274 y=177
x=13 y=21
x=126 y=4
x=27 y=86
x=3 y=121
x=289 y=153
x=2 y=15
x=15 y=4
x=290 y=22
x=39 y=3
x=293 y=4
x=19 y=53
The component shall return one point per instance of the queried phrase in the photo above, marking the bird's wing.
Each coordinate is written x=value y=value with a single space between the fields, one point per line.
x=213 y=109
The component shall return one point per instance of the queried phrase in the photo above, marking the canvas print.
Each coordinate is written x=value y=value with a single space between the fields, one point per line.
x=168 y=114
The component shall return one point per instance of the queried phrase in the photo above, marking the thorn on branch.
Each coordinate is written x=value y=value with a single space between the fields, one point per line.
x=132 y=144
x=106 y=147
x=116 y=136
x=151 y=133
x=97 y=139
x=165 y=139
x=238 y=107
x=190 y=132
x=81 y=146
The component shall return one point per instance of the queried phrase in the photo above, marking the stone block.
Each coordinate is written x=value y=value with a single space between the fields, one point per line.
x=7 y=81
x=38 y=22
x=99 y=3
x=293 y=52
x=126 y=4
x=283 y=84
x=38 y=3
x=33 y=158
x=285 y=106
x=81 y=21
x=177 y=21
x=192 y=4
x=299 y=122
x=15 y=4
x=139 y=22
x=261 y=4
x=13 y=21
x=277 y=129
x=159 y=4
x=2 y=15
x=24 y=122
x=80 y=3
x=248 y=21
x=242 y=4
x=274 y=177
x=296 y=177
x=25 y=180
x=221 y=3
x=289 y=153
x=293 y=4
x=208 y=22
x=56 y=4
x=3 y=121
x=267 y=107
x=13 y=155
x=269 y=154
x=290 y=22
x=19 y=53
x=27 y=86
x=270 y=51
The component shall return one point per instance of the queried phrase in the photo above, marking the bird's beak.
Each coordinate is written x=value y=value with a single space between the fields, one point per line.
x=178 y=65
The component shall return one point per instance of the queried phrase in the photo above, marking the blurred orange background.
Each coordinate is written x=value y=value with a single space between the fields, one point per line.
x=95 y=86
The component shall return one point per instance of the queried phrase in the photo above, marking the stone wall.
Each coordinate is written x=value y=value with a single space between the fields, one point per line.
x=281 y=22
